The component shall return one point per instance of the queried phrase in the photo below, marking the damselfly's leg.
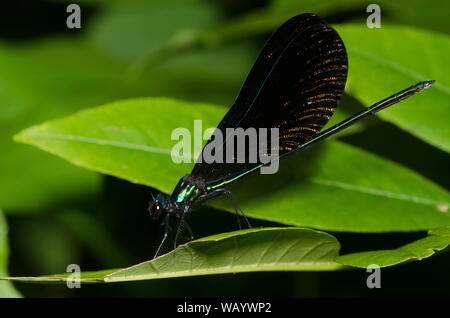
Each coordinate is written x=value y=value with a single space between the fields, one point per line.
x=238 y=218
x=166 y=232
x=237 y=208
x=186 y=225
x=182 y=222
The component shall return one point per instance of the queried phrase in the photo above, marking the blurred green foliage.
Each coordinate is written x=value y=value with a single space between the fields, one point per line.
x=200 y=51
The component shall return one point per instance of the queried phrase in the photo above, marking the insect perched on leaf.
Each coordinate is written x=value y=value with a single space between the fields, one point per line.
x=294 y=86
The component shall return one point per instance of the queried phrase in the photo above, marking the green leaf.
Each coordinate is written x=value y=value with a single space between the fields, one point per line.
x=268 y=249
x=443 y=231
x=129 y=139
x=135 y=33
x=437 y=240
x=7 y=289
x=338 y=187
x=331 y=186
x=265 y=249
x=384 y=61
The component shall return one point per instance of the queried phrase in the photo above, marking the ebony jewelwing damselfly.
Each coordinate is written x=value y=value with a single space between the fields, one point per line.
x=294 y=85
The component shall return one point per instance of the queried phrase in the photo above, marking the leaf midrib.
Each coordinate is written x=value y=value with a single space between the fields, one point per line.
x=376 y=192
x=290 y=266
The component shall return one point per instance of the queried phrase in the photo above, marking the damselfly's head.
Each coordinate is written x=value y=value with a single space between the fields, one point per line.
x=158 y=208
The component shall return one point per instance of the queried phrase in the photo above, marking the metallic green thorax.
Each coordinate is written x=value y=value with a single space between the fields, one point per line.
x=186 y=192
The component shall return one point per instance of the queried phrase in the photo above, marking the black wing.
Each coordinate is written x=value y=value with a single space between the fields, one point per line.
x=294 y=85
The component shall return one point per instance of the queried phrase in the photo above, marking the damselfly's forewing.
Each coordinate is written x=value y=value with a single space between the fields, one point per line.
x=295 y=85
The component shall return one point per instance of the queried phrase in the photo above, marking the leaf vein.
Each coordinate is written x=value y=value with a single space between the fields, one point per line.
x=103 y=142
x=377 y=192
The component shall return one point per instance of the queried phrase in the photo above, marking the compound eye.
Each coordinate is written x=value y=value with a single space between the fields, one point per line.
x=156 y=210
